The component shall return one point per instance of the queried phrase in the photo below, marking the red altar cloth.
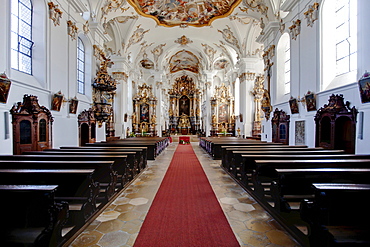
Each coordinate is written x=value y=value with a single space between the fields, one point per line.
x=185 y=139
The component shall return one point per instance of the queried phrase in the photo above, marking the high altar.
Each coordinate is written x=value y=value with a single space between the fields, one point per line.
x=222 y=108
x=144 y=117
x=184 y=110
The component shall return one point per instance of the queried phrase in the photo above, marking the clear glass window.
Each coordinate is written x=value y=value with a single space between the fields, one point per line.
x=80 y=67
x=21 y=35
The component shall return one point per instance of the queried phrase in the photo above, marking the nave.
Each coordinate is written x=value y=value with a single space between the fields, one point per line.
x=120 y=223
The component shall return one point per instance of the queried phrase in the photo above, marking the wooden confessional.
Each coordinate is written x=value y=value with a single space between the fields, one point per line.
x=336 y=125
x=280 y=127
x=32 y=126
x=87 y=127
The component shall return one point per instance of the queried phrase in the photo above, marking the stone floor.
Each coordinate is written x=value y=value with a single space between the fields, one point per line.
x=120 y=223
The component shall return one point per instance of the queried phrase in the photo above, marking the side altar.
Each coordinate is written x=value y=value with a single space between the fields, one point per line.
x=222 y=108
x=144 y=118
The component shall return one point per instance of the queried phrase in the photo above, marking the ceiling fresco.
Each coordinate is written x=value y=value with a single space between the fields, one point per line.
x=196 y=13
x=184 y=60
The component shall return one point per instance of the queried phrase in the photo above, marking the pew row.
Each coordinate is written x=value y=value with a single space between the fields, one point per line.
x=338 y=215
x=33 y=217
x=111 y=175
x=75 y=187
x=154 y=145
x=134 y=162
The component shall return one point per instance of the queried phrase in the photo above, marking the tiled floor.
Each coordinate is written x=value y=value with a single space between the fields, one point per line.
x=120 y=223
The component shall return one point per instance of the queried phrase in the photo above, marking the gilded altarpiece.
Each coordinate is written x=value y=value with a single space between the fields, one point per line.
x=222 y=107
x=184 y=110
x=144 y=119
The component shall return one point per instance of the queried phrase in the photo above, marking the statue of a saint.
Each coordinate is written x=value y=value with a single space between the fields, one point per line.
x=184 y=121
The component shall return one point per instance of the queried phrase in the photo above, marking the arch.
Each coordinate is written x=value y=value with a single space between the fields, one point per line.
x=283 y=67
x=81 y=57
x=84 y=134
x=88 y=64
x=343 y=134
x=184 y=60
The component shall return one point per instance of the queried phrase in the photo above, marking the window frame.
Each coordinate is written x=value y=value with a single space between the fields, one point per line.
x=20 y=50
x=81 y=83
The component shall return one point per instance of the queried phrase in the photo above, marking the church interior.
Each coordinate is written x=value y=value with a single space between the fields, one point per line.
x=150 y=75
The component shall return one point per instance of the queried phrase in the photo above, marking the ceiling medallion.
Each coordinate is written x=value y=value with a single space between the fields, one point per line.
x=184 y=12
x=183 y=40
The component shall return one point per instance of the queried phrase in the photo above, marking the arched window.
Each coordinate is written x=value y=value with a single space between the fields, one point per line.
x=283 y=66
x=21 y=35
x=80 y=66
x=339 y=43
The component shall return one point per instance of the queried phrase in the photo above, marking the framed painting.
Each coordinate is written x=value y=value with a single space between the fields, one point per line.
x=73 y=103
x=144 y=113
x=293 y=103
x=223 y=113
x=310 y=101
x=364 y=86
x=4 y=87
x=56 y=102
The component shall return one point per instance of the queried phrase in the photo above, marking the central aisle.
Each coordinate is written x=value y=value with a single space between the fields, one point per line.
x=185 y=211
x=119 y=225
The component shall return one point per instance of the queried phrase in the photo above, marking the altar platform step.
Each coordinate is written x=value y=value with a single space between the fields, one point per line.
x=193 y=138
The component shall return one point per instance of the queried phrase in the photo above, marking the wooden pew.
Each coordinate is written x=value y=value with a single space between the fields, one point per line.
x=254 y=174
x=227 y=155
x=131 y=160
x=232 y=156
x=296 y=184
x=155 y=145
x=109 y=175
x=214 y=146
x=141 y=150
x=31 y=216
x=75 y=186
x=338 y=215
x=236 y=162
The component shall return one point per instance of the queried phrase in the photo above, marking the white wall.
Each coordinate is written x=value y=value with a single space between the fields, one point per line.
x=306 y=69
x=54 y=70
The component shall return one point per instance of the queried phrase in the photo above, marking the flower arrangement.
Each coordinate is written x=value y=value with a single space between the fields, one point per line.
x=184 y=142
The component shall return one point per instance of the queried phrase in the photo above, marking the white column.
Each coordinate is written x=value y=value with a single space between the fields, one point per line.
x=209 y=94
x=246 y=76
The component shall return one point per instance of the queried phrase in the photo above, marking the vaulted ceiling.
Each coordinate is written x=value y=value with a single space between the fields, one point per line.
x=182 y=35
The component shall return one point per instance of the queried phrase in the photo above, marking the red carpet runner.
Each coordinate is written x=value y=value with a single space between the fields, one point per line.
x=185 y=212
